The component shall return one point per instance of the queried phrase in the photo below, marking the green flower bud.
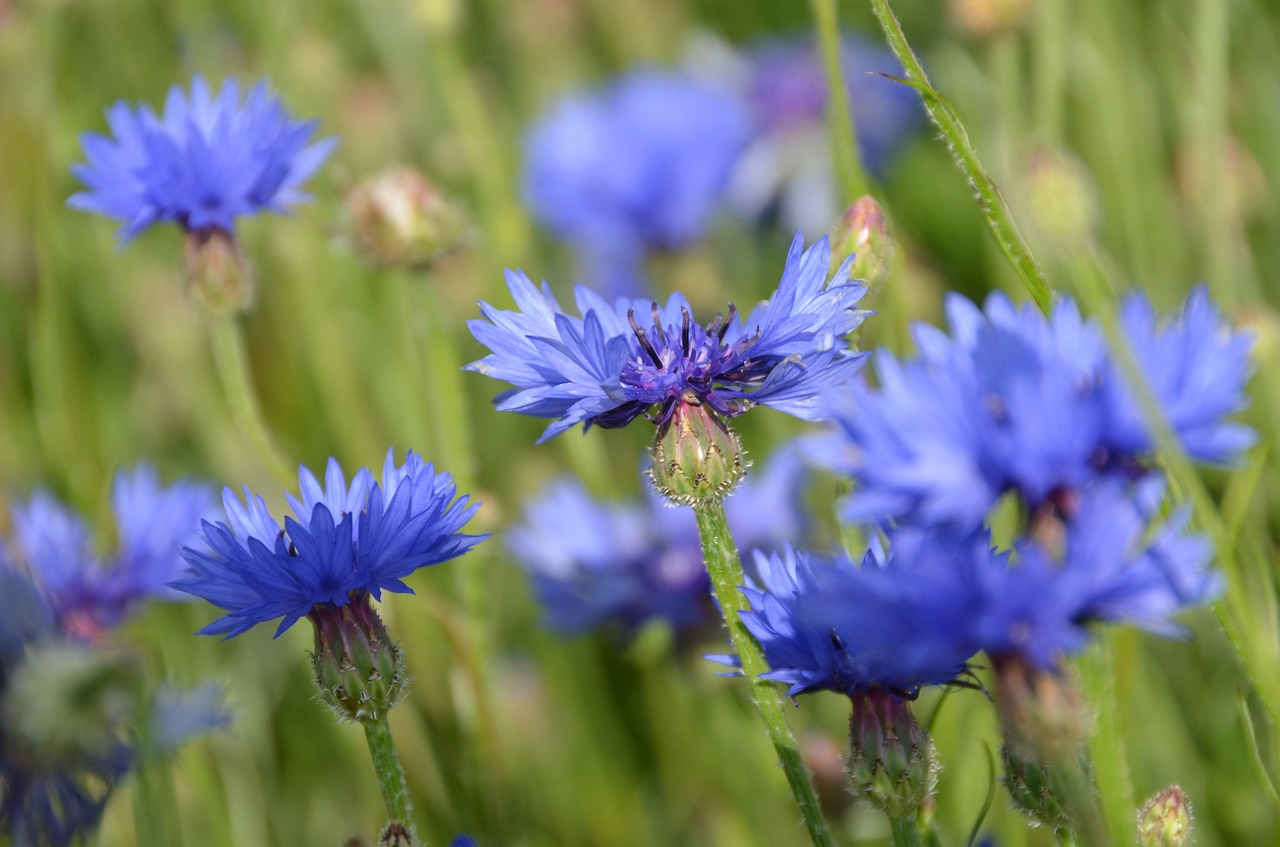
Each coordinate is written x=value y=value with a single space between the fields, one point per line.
x=1165 y=819
x=696 y=456
x=891 y=761
x=358 y=668
x=1042 y=714
x=1061 y=199
x=400 y=219
x=1030 y=786
x=863 y=232
x=69 y=703
x=218 y=277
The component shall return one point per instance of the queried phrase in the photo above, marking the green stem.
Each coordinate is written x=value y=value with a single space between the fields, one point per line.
x=990 y=200
x=233 y=370
x=721 y=556
x=844 y=136
x=905 y=831
x=1076 y=792
x=386 y=764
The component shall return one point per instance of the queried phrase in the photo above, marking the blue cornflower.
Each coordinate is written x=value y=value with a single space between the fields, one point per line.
x=1095 y=556
x=606 y=368
x=87 y=593
x=786 y=169
x=890 y=624
x=636 y=166
x=206 y=161
x=344 y=543
x=1012 y=401
x=625 y=564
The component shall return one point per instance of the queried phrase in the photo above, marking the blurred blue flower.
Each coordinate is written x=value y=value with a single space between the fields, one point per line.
x=786 y=169
x=1107 y=559
x=463 y=841
x=1012 y=401
x=638 y=165
x=891 y=623
x=179 y=716
x=206 y=161
x=345 y=541
x=624 y=564
x=607 y=368
x=87 y=593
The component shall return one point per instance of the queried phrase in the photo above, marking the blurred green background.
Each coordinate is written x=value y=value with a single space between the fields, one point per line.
x=1139 y=142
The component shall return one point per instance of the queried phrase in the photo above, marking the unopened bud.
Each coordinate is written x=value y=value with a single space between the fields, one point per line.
x=891 y=761
x=1062 y=201
x=1165 y=819
x=70 y=703
x=863 y=232
x=1042 y=714
x=696 y=456
x=400 y=219
x=358 y=668
x=984 y=19
x=218 y=277
x=1030 y=786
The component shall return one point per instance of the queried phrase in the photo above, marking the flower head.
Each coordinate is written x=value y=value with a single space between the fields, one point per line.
x=624 y=564
x=205 y=161
x=618 y=362
x=890 y=623
x=638 y=165
x=1012 y=401
x=1102 y=558
x=343 y=542
x=86 y=592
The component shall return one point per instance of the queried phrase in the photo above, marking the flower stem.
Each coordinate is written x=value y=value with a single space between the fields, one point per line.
x=721 y=556
x=229 y=358
x=386 y=764
x=844 y=137
x=905 y=831
x=990 y=200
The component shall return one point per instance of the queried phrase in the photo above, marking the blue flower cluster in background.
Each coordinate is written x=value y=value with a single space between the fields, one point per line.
x=598 y=564
x=205 y=161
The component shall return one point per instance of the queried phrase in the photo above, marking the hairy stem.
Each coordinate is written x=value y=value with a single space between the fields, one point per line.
x=386 y=765
x=906 y=833
x=721 y=556
x=990 y=200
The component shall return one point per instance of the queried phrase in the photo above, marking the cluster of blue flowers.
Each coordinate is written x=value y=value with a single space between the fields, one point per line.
x=643 y=164
x=623 y=565
x=60 y=603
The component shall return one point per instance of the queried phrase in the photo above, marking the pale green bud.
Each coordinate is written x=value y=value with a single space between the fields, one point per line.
x=863 y=232
x=400 y=219
x=696 y=456
x=1165 y=819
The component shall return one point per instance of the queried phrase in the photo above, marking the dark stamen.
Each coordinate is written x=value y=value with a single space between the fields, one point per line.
x=684 y=329
x=733 y=310
x=644 y=339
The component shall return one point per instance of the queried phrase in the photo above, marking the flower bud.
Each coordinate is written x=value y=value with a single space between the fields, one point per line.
x=863 y=232
x=400 y=219
x=1061 y=199
x=1165 y=819
x=69 y=703
x=984 y=19
x=696 y=456
x=358 y=668
x=218 y=277
x=1030 y=785
x=891 y=762
x=1041 y=712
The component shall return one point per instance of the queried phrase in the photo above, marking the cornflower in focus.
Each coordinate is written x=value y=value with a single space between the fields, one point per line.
x=597 y=564
x=619 y=362
x=86 y=593
x=1012 y=401
x=786 y=172
x=345 y=544
x=635 y=167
